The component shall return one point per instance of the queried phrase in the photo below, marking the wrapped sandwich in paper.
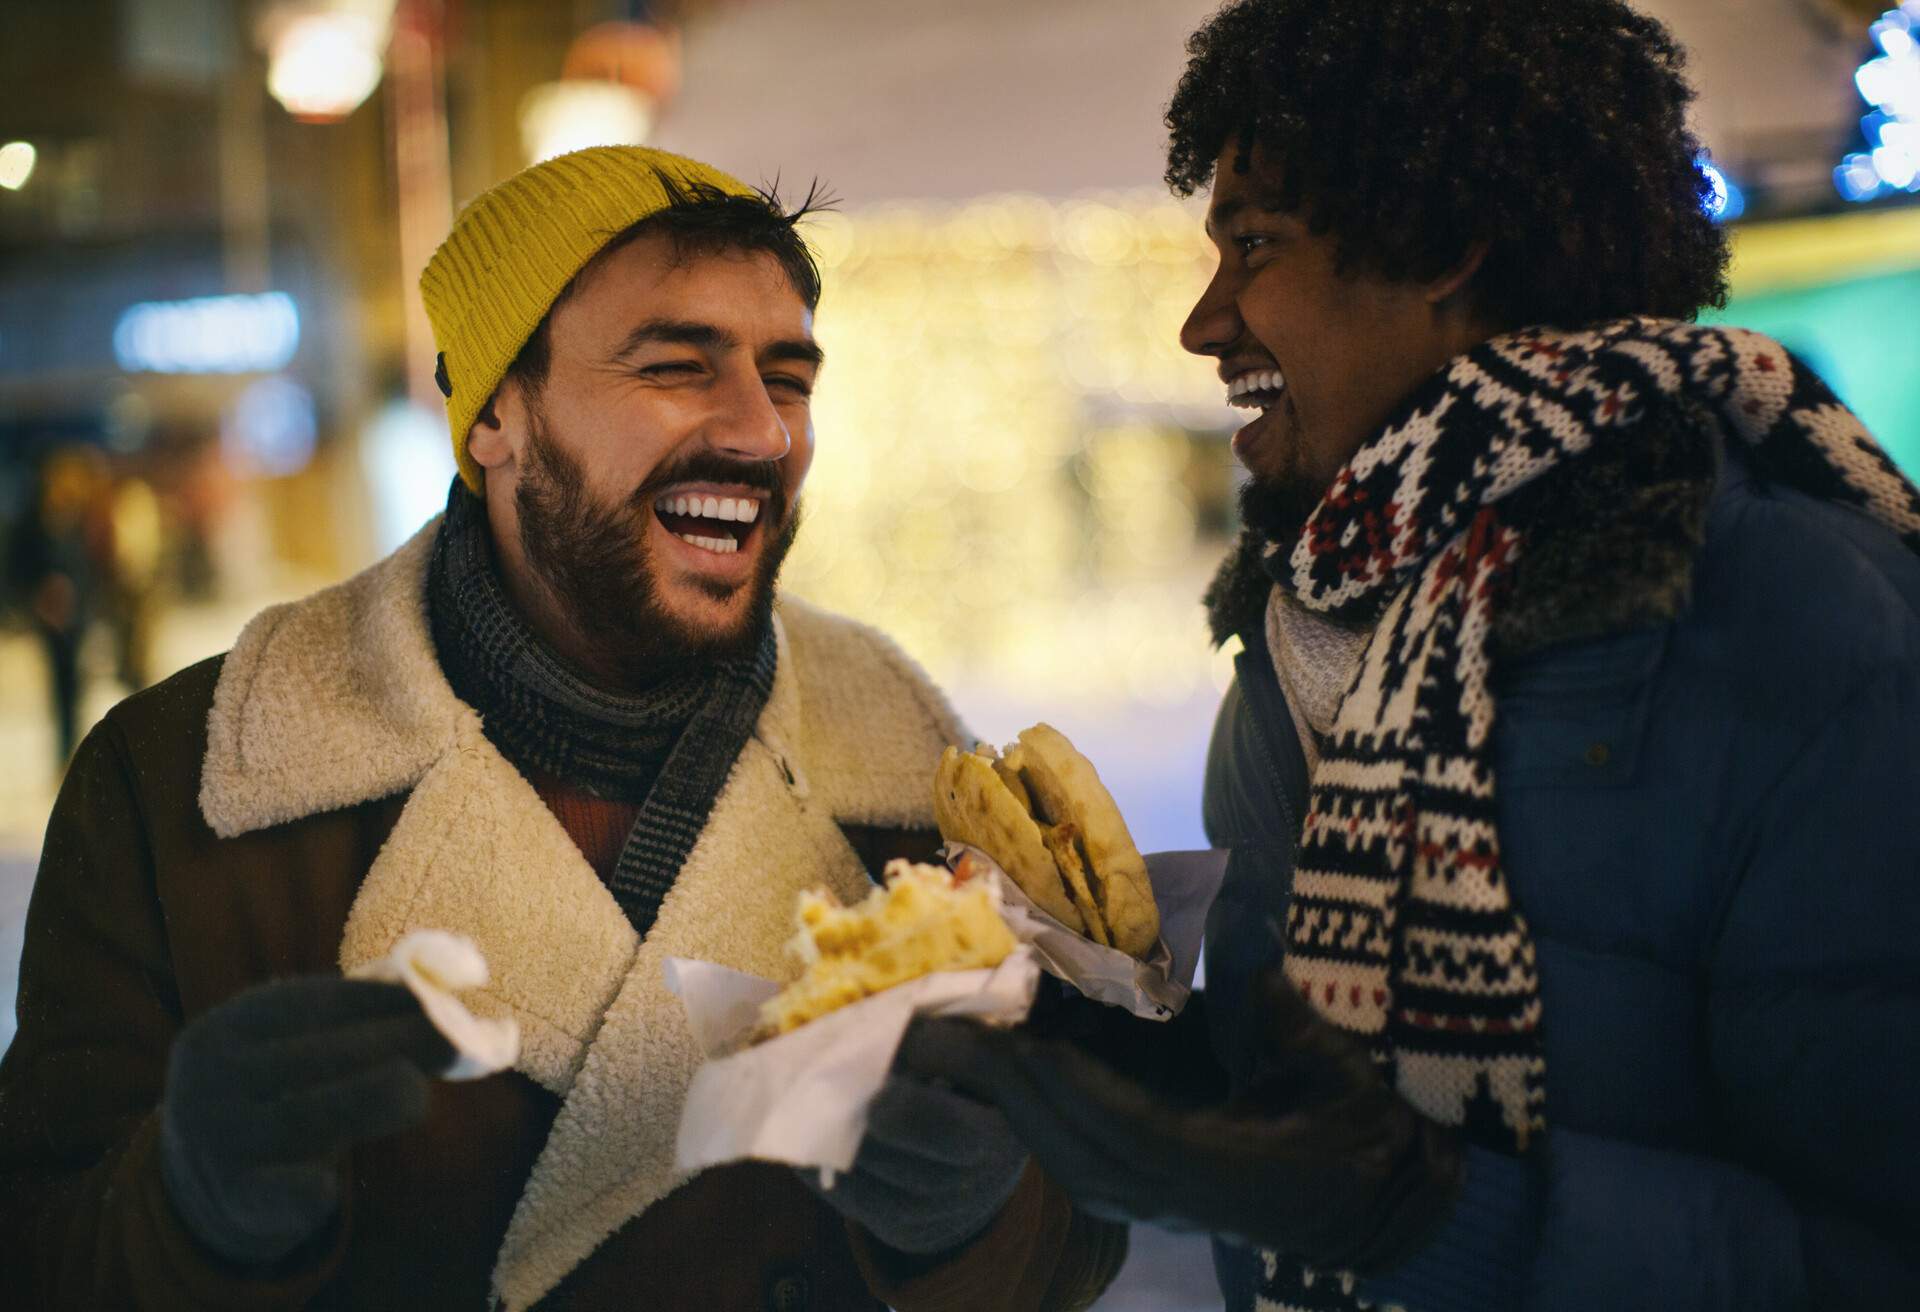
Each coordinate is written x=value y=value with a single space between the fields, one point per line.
x=1040 y=815
x=792 y=1068
x=1040 y=811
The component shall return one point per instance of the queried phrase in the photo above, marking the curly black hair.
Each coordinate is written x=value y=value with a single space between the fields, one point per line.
x=1412 y=129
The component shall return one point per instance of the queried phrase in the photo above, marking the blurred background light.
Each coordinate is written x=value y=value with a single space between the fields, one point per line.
x=407 y=458
x=638 y=55
x=323 y=61
x=1895 y=165
x=16 y=164
x=1856 y=179
x=1041 y=510
x=208 y=335
x=270 y=428
x=615 y=80
x=562 y=116
x=1890 y=83
x=1727 y=201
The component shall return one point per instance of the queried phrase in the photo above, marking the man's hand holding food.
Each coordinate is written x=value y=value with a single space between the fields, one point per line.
x=935 y=1166
x=264 y=1093
x=938 y=1163
x=934 y=1170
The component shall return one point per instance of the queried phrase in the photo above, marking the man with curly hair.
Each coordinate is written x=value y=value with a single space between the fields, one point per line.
x=1568 y=954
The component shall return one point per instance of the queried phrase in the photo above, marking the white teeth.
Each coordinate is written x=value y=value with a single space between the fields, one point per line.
x=720 y=546
x=732 y=510
x=1241 y=390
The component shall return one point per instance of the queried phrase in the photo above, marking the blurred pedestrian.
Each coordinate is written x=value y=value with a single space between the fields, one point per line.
x=54 y=559
x=1569 y=952
x=137 y=543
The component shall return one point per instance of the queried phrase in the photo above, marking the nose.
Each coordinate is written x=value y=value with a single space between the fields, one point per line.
x=751 y=427
x=1214 y=324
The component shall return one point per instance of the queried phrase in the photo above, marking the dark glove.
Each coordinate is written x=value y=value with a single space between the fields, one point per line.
x=1172 y=1057
x=1317 y=1158
x=934 y=1169
x=264 y=1090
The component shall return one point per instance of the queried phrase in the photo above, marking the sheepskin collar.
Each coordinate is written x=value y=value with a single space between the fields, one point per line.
x=338 y=699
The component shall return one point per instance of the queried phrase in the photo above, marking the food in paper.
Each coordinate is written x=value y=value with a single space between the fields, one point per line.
x=1040 y=810
x=919 y=923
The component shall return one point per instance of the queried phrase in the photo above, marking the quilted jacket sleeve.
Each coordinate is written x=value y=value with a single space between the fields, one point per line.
x=1815 y=998
x=85 y=1218
x=1811 y=998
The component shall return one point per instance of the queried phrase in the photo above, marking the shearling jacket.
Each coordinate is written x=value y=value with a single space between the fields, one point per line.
x=294 y=808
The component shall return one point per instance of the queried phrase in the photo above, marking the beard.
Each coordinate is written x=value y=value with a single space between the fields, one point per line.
x=1278 y=506
x=593 y=558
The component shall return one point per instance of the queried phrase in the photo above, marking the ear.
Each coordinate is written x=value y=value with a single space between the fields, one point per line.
x=1454 y=279
x=499 y=431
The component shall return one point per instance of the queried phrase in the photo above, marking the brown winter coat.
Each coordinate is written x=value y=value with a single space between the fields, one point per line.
x=295 y=806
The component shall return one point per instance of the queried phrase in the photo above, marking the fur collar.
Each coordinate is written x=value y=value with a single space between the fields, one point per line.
x=1611 y=539
x=338 y=699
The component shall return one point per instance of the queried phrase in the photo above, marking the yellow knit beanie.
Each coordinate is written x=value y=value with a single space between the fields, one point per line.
x=517 y=245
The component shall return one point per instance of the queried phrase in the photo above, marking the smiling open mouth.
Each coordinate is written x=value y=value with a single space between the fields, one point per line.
x=718 y=524
x=1259 y=390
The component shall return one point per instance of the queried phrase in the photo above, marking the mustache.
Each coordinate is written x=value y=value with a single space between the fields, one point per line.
x=712 y=467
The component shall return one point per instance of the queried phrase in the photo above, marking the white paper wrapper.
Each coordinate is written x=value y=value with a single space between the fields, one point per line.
x=432 y=963
x=802 y=1098
x=1184 y=885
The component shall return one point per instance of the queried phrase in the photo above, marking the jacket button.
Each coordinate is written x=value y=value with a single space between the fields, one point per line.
x=789 y=1293
x=1599 y=754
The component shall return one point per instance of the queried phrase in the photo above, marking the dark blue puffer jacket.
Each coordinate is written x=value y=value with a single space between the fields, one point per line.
x=1713 y=830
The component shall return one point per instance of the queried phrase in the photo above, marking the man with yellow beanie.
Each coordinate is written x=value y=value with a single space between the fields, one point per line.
x=574 y=722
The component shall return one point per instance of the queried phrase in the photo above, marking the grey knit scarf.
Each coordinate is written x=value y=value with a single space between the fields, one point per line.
x=668 y=749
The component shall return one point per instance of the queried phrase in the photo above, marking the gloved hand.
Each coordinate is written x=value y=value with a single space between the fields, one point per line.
x=934 y=1169
x=264 y=1090
x=1172 y=1057
x=1317 y=1158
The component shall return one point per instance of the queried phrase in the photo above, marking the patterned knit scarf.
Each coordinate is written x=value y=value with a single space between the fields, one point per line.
x=669 y=749
x=1400 y=928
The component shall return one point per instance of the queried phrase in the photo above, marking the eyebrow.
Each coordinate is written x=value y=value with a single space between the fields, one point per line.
x=1221 y=215
x=1224 y=213
x=801 y=350
x=712 y=337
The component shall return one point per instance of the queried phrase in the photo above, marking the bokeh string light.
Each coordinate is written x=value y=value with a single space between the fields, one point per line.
x=1014 y=450
x=1890 y=84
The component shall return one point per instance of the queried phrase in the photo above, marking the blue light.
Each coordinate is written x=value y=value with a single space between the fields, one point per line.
x=208 y=335
x=1856 y=179
x=1727 y=201
x=1890 y=82
x=271 y=428
x=408 y=461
